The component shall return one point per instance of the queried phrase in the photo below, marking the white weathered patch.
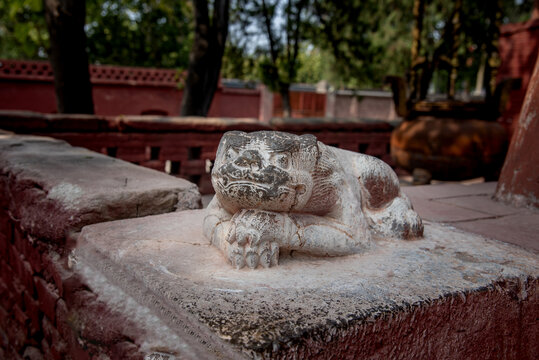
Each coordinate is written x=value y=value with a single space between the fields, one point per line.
x=68 y=194
x=229 y=290
x=528 y=119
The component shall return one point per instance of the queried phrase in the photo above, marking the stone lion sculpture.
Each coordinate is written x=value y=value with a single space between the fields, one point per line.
x=276 y=191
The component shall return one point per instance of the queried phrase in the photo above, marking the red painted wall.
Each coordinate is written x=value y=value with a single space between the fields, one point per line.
x=235 y=103
x=28 y=85
x=117 y=90
x=303 y=104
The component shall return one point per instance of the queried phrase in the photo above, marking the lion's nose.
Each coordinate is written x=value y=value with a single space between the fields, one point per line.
x=249 y=159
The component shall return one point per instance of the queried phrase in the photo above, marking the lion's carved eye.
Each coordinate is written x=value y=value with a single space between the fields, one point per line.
x=281 y=161
x=231 y=154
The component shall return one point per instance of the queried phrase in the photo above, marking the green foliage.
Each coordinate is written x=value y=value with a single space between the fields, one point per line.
x=156 y=33
x=353 y=43
x=311 y=68
x=23 y=31
x=367 y=39
x=270 y=34
x=358 y=42
x=475 y=36
x=237 y=64
x=515 y=11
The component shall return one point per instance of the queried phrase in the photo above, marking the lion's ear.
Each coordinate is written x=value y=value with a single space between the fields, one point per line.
x=234 y=133
x=231 y=138
x=234 y=137
x=309 y=146
x=308 y=139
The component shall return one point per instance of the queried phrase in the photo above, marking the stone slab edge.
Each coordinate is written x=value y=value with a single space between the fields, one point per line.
x=197 y=341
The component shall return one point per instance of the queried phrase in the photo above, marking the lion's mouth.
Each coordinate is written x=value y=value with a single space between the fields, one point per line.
x=227 y=185
x=231 y=184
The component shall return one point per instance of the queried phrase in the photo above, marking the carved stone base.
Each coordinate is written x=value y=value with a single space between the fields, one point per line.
x=449 y=295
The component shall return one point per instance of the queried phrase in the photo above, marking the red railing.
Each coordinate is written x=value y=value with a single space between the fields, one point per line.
x=186 y=146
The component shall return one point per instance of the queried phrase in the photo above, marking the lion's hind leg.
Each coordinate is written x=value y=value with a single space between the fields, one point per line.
x=397 y=218
x=389 y=211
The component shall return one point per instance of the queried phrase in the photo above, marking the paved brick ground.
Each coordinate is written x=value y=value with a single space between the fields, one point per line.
x=472 y=208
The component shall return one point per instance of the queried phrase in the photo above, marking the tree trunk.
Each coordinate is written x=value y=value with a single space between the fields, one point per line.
x=455 y=43
x=419 y=12
x=480 y=79
x=493 y=56
x=285 y=96
x=206 y=57
x=65 y=21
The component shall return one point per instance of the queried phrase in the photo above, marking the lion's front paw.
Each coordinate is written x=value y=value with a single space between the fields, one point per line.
x=254 y=237
x=265 y=254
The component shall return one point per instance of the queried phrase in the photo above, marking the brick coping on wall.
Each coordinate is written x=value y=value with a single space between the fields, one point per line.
x=28 y=121
x=25 y=70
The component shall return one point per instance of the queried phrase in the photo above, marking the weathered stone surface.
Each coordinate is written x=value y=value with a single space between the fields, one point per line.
x=276 y=191
x=53 y=188
x=449 y=295
x=518 y=182
x=481 y=203
x=434 y=210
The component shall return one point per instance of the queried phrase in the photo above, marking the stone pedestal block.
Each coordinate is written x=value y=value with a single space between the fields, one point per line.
x=449 y=295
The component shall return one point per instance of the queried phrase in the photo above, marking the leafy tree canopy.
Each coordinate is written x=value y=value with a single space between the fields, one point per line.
x=353 y=43
x=156 y=33
x=23 y=30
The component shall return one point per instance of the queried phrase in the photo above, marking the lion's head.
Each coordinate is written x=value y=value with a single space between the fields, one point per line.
x=264 y=170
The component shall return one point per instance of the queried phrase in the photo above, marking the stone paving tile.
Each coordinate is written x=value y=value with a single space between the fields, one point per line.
x=439 y=212
x=521 y=229
x=439 y=191
x=481 y=203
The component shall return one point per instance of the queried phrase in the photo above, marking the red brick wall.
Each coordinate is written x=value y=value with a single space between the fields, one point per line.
x=117 y=90
x=28 y=85
x=45 y=308
x=240 y=103
x=303 y=104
